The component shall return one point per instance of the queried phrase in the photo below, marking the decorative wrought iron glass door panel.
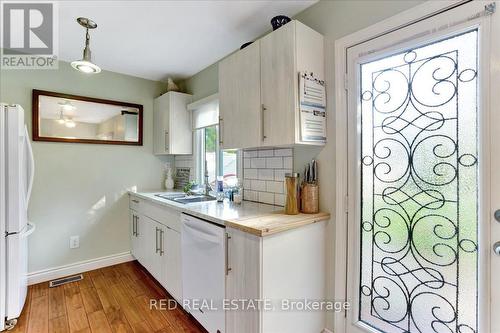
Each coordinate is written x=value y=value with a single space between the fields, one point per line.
x=419 y=188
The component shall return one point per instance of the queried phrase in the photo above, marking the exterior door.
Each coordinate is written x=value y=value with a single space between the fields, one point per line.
x=420 y=186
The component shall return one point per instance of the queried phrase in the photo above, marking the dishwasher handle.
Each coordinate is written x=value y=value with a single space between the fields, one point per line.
x=200 y=233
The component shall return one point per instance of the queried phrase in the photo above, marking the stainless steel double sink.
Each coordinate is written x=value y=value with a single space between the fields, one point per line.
x=184 y=198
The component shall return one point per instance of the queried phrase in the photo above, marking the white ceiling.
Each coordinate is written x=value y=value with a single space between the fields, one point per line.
x=83 y=111
x=160 y=39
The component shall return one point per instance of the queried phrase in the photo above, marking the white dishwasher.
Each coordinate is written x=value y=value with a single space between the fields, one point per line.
x=203 y=271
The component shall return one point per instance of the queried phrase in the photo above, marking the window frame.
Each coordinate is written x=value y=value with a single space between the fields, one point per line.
x=199 y=155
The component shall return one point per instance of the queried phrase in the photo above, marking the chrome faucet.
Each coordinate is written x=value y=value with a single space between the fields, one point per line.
x=208 y=188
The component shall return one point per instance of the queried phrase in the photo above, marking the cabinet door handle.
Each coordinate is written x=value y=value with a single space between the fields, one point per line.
x=262 y=121
x=221 y=141
x=133 y=225
x=166 y=141
x=161 y=241
x=135 y=201
x=136 y=226
x=156 y=240
x=228 y=269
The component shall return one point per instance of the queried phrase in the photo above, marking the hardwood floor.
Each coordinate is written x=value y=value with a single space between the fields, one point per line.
x=110 y=299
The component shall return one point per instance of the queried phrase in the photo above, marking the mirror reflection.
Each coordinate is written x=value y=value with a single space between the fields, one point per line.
x=61 y=118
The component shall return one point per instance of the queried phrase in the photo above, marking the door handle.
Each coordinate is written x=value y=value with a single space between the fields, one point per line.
x=31 y=164
x=136 y=226
x=156 y=240
x=496 y=248
x=133 y=225
x=166 y=141
x=220 y=131
x=161 y=241
x=228 y=269
x=262 y=123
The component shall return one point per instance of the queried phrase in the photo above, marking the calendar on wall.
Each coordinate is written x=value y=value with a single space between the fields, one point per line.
x=312 y=101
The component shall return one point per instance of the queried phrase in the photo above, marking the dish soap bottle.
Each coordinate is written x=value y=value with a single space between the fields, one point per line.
x=169 y=181
x=219 y=194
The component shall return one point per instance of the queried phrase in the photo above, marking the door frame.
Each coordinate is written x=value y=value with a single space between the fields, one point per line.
x=405 y=18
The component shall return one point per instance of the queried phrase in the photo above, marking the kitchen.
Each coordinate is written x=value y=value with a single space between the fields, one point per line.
x=200 y=179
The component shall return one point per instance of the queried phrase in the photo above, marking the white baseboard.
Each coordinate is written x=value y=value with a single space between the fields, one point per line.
x=78 y=267
x=326 y=330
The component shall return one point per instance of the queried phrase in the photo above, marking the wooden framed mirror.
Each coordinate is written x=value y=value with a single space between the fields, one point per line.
x=61 y=117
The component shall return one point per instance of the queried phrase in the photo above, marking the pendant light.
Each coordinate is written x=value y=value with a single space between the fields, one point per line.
x=65 y=120
x=86 y=65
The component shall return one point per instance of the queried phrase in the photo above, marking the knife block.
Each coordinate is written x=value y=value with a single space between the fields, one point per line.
x=310 y=198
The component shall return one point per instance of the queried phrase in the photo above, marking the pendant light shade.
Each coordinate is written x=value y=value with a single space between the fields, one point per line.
x=86 y=65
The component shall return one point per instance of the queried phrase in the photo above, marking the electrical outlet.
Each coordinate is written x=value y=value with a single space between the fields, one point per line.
x=74 y=242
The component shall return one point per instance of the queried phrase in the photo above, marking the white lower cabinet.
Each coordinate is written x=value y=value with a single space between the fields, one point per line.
x=243 y=279
x=155 y=263
x=286 y=266
x=156 y=244
x=138 y=237
x=275 y=269
x=173 y=275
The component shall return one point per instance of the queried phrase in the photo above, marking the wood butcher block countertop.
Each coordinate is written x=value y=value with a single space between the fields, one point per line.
x=255 y=218
x=272 y=223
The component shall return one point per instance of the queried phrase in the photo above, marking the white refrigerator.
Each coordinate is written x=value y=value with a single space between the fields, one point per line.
x=16 y=180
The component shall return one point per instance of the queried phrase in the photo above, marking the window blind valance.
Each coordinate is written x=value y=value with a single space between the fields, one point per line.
x=205 y=112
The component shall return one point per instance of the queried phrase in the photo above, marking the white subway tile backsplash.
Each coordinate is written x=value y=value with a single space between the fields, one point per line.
x=183 y=161
x=279 y=175
x=250 y=173
x=266 y=153
x=258 y=162
x=250 y=153
x=266 y=174
x=283 y=152
x=250 y=195
x=258 y=185
x=267 y=198
x=274 y=162
x=279 y=199
x=274 y=187
x=183 y=164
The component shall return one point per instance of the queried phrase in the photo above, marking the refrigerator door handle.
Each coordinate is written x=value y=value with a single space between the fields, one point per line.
x=31 y=164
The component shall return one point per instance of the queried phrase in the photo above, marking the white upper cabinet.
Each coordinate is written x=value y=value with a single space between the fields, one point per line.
x=172 y=124
x=258 y=87
x=239 y=98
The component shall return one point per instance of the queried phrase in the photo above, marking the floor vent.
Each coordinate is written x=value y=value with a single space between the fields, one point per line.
x=59 y=282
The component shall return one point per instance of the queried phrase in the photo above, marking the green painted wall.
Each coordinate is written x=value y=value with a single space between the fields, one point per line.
x=79 y=189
